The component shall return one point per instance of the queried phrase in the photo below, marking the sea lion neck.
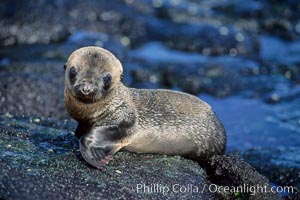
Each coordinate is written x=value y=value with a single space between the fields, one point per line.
x=84 y=112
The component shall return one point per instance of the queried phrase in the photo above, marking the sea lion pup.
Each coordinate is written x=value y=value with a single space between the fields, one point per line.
x=112 y=116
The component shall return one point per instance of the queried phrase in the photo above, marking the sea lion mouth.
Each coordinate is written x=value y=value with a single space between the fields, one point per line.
x=90 y=99
x=87 y=95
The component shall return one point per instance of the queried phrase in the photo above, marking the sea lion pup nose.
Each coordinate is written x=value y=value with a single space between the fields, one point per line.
x=86 y=88
x=112 y=116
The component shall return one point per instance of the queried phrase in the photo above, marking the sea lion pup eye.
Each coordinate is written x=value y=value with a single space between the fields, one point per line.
x=106 y=81
x=73 y=72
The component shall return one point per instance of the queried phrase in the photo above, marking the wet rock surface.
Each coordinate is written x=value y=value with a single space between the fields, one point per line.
x=242 y=58
x=283 y=161
x=40 y=159
x=33 y=88
x=41 y=155
x=224 y=172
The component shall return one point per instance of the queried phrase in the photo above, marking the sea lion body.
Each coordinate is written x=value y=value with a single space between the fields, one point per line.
x=137 y=120
x=175 y=123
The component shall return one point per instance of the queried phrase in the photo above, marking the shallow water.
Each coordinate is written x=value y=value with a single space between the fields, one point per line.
x=251 y=123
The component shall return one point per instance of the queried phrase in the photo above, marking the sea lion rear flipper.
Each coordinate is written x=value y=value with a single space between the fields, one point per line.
x=99 y=144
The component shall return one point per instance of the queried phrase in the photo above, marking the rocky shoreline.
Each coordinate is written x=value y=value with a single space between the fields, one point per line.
x=243 y=59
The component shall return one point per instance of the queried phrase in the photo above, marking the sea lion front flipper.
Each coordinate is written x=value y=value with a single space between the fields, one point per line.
x=98 y=145
x=81 y=130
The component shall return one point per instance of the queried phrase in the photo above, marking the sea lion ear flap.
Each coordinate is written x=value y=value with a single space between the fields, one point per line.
x=65 y=67
x=121 y=77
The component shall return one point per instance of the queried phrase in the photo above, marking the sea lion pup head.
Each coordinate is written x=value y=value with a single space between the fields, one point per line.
x=91 y=73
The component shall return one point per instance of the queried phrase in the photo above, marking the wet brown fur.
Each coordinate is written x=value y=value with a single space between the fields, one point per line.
x=148 y=121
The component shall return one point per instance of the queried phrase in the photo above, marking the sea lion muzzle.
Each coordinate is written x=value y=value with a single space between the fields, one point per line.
x=86 y=89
